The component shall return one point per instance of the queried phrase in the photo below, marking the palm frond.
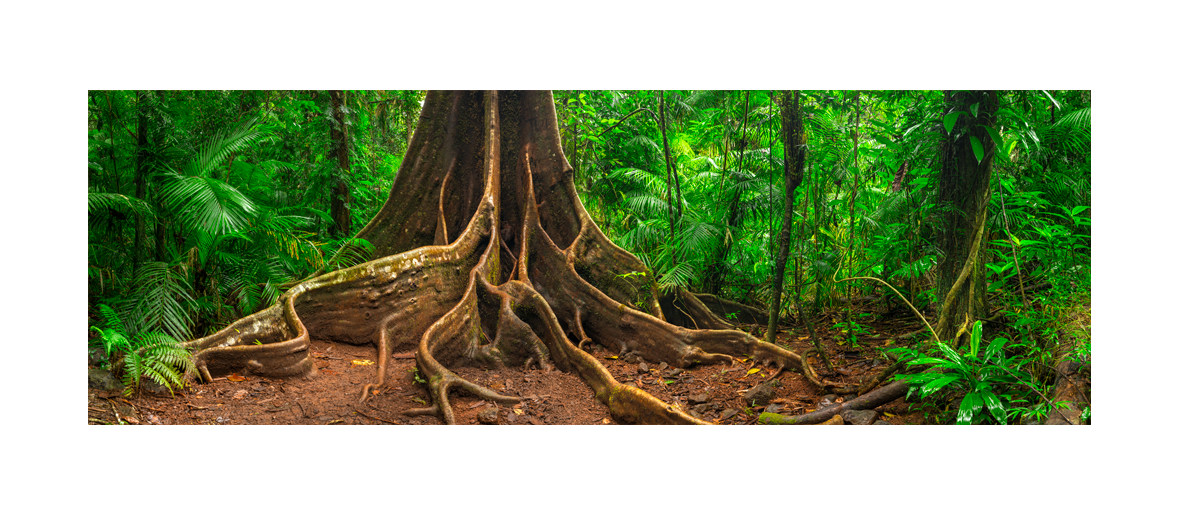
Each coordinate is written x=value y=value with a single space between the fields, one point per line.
x=208 y=204
x=163 y=299
x=97 y=201
x=223 y=144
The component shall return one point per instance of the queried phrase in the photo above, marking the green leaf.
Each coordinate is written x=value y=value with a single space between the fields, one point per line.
x=1077 y=209
x=949 y=121
x=976 y=336
x=975 y=110
x=938 y=384
x=995 y=407
x=977 y=148
x=967 y=409
x=995 y=135
x=995 y=349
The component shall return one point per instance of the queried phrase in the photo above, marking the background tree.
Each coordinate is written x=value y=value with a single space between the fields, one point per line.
x=793 y=143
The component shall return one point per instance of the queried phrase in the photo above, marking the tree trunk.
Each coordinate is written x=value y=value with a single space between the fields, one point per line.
x=668 y=166
x=717 y=270
x=483 y=255
x=140 y=173
x=963 y=196
x=792 y=136
x=341 y=197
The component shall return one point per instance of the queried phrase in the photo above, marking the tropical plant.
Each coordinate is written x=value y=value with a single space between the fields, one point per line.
x=154 y=355
x=990 y=384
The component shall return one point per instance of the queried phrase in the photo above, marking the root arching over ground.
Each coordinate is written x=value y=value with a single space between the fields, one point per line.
x=484 y=255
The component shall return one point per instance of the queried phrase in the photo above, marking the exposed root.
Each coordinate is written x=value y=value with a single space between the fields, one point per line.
x=458 y=303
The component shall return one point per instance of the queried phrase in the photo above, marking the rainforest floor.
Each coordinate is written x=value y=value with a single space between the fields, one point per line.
x=331 y=396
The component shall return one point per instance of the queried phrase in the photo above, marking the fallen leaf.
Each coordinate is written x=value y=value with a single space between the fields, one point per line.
x=752 y=371
x=331 y=372
x=333 y=422
x=518 y=411
x=612 y=358
x=239 y=394
x=476 y=404
x=235 y=378
x=606 y=421
x=362 y=362
x=891 y=415
x=418 y=400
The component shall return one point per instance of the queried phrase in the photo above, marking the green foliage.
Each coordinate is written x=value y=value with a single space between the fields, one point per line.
x=154 y=355
x=990 y=384
x=236 y=188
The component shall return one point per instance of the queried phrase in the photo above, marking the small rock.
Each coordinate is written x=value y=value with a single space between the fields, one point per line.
x=699 y=398
x=489 y=416
x=759 y=395
x=511 y=417
x=858 y=417
x=631 y=357
x=773 y=408
x=729 y=413
x=643 y=368
x=663 y=365
x=881 y=422
x=828 y=400
x=150 y=385
x=694 y=414
x=673 y=373
x=239 y=394
x=102 y=379
x=631 y=384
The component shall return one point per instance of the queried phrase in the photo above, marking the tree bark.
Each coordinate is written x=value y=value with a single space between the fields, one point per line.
x=140 y=173
x=963 y=195
x=668 y=165
x=484 y=255
x=341 y=197
x=793 y=160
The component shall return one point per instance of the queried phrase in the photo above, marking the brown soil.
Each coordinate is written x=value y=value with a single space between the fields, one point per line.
x=331 y=395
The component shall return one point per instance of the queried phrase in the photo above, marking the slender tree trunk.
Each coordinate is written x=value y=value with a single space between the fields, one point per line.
x=341 y=197
x=114 y=158
x=668 y=165
x=140 y=170
x=793 y=160
x=717 y=270
x=963 y=195
x=852 y=211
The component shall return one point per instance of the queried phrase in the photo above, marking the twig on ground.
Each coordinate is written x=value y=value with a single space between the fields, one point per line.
x=374 y=417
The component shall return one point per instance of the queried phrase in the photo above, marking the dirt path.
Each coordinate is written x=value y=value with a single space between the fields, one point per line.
x=712 y=392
